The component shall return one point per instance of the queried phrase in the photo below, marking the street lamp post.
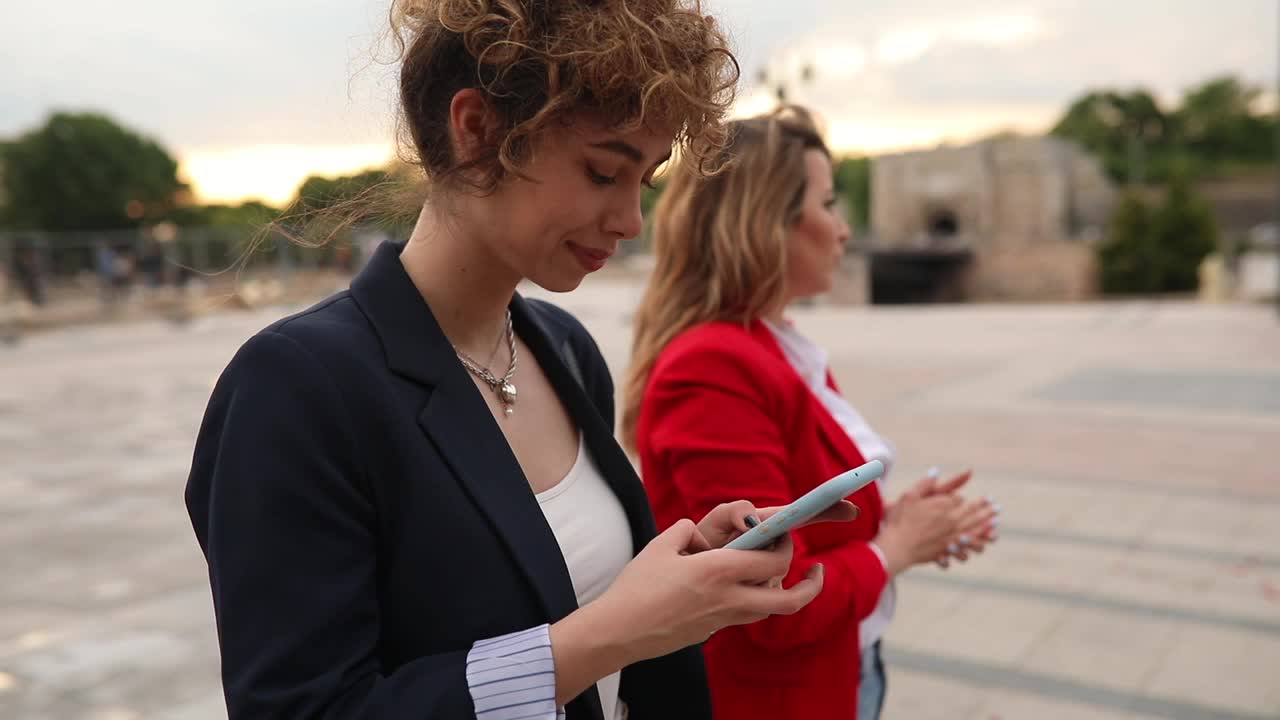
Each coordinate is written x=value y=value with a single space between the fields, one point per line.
x=781 y=83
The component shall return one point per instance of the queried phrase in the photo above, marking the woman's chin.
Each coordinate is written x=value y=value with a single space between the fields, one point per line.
x=559 y=282
x=812 y=291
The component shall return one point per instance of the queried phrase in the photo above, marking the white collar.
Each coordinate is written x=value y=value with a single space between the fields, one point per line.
x=809 y=359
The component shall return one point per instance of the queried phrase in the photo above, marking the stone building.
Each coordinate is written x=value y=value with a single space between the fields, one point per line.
x=1008 y=218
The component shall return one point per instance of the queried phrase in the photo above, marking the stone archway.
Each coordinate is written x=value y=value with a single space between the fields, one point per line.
x=942 y=224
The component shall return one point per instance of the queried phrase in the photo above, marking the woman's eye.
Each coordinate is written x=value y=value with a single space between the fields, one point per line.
x=599 y=179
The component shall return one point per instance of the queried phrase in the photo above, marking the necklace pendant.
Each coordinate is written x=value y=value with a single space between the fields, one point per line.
x=508 y=410
x=508 y=393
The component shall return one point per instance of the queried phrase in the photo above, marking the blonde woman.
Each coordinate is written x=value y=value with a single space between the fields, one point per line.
x=726 y=399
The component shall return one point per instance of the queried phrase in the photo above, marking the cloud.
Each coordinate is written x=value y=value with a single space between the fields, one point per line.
x=217 y=76
x=197 y=74
x=993 y=31
x=905 y=45
x=841 y=60
x=933 y=72
x=997 y=30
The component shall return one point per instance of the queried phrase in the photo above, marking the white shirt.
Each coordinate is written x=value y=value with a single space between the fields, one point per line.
x=595 y=537
x=811 y=364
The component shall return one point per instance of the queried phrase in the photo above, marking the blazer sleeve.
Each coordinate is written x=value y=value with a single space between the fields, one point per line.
x=717 y=429
x=279 y=505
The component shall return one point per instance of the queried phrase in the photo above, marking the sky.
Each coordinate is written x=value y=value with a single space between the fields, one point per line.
x=254 y=95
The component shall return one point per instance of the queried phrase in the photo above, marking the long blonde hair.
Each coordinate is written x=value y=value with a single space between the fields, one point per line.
x=719 y=241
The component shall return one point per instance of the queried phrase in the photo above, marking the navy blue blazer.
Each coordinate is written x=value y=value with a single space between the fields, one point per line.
x=365 y=521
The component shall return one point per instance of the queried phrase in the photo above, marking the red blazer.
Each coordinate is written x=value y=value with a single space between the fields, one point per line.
x=725 y=417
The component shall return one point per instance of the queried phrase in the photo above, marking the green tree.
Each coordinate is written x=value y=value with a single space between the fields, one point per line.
x=649 y=196
x=319 y=193
x=85 y=172
x=1157 y=251
x=246 y=215
x=1127 y=261
x=1220 y=126
x=1184 y=232
x=1127 y=130
x=1217 y=127
x=6 y=219
x=853 y=182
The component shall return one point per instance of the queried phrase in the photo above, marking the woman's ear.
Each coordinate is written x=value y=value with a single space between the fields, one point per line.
x=472 y=125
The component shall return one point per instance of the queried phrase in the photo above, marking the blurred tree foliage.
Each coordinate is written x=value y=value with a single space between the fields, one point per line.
x=86 y=172
x=1154 y=251
x=1217 y=128
x=853 y=183
x=321 y=193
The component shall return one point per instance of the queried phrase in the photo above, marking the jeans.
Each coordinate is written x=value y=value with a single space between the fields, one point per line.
x=871 y=684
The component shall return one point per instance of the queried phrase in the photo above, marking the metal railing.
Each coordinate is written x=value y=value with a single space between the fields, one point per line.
x=51 y=278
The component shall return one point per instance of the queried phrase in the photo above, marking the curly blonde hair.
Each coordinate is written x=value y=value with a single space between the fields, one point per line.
x=661 y=64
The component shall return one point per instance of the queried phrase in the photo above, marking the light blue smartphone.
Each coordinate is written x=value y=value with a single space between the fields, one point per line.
x=808 y=506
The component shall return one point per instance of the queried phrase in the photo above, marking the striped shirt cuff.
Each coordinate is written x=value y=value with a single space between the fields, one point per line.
x=513 y=677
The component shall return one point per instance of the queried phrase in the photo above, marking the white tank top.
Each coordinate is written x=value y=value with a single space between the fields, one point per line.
x=595 y=538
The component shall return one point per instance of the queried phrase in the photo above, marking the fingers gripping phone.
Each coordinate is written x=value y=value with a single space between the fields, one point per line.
x=808 y=506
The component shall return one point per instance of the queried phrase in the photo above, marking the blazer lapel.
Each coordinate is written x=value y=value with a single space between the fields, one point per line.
x=554 y=354
x=836 y=439
x=459 y=424
x=463 y=430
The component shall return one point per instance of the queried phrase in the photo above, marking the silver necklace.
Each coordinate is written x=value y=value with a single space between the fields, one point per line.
x=505 y=389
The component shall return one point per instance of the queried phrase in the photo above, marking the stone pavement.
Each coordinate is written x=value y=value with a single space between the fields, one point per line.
x=1133 y=447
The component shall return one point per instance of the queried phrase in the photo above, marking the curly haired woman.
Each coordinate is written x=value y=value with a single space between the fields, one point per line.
x=409 y=496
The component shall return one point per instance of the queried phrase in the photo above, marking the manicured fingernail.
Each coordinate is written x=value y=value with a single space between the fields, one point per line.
x=953 y=548
x=995 y=521
x=751 y=521
x=964 y=540
x=933 y=472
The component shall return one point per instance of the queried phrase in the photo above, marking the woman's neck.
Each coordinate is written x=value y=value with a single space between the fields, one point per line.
x=776 y=313
x=467 y=288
